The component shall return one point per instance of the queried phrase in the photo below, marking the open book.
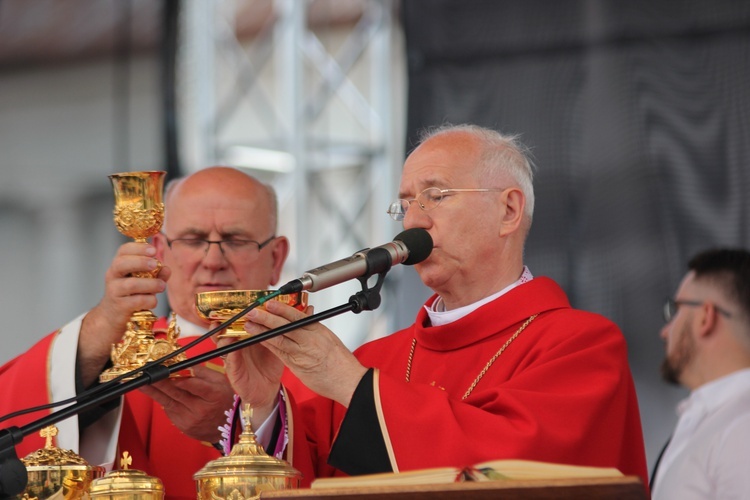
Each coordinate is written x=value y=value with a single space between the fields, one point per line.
x=485 y=471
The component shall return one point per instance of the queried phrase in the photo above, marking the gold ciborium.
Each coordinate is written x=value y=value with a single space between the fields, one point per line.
x=127 y=484
x=139 y=214
x=223 y=304
x=57 y=473
x=247 y=472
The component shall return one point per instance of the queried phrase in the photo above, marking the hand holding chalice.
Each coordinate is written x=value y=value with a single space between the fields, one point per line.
x=139 y=214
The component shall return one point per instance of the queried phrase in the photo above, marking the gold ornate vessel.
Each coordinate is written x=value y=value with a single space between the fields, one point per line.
x=57 y=473
x=246 y=472
x=127 y=484
x=139 y=214
x=222 y=305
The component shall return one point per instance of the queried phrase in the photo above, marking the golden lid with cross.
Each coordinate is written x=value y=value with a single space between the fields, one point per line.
x=127 y=483
x=52 y=470
x=248 y=469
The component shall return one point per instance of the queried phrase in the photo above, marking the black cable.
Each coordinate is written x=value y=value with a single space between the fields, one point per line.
x=102 y=387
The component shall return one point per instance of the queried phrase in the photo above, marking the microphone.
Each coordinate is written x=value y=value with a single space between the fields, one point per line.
x=408 y=247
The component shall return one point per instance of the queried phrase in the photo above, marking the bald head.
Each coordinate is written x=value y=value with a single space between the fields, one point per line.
x=232 y=182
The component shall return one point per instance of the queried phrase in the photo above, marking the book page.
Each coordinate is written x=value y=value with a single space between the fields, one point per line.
x=530 y=469
x=494 y=470
x=439 y=475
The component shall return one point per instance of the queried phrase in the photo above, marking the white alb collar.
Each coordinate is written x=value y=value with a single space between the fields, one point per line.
x=439 y=316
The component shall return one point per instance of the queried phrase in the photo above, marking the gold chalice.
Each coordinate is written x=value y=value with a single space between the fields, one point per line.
x=223 y=304
x=139 y=214
x=139 y=210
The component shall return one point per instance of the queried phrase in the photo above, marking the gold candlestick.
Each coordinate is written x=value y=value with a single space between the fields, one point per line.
x=139 y=214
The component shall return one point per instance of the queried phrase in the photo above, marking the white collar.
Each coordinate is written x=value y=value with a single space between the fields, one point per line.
x=439 y=316
x=188 y=329
x=717 y=392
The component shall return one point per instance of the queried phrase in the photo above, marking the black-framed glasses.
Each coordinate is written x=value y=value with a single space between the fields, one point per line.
x=228 y=247
x=671 y=305
x=429 y=199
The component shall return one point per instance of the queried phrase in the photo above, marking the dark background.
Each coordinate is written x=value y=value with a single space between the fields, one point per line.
x=638 y=116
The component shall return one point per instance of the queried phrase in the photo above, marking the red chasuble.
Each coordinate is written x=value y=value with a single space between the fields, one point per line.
x=561 y=391
x=158 y=448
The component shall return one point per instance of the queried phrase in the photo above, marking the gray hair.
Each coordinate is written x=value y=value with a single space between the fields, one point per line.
x=501 y=154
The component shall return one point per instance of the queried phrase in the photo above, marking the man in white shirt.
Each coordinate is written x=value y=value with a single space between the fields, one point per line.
x=707 y=338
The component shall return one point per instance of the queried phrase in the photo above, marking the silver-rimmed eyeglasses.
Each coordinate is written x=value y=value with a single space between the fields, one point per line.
x=671 y=305
x=429 y=199
x=229 y=247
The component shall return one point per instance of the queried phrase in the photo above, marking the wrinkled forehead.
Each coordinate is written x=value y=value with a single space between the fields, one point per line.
x=439 y=166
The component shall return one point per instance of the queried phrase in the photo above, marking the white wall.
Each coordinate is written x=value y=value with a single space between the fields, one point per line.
x=59 y=134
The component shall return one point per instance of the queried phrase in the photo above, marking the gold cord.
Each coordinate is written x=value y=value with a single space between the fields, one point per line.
x=486 y=367
x=411 y=356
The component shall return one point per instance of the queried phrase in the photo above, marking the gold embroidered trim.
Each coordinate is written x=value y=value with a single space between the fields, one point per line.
x=486 y=367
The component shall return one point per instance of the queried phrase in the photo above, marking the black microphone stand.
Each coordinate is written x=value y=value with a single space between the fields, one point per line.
x=13 y=475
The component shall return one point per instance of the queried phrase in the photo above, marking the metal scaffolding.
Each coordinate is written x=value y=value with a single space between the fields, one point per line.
x=308 y=111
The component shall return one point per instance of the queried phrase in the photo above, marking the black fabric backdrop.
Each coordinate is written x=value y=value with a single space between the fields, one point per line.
x=638 y=115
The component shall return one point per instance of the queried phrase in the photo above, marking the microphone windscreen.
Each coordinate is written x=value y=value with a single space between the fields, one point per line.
x=419 y=243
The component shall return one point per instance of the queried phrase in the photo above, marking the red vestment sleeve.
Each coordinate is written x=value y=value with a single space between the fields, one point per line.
x=157 y=446
x=25 y=384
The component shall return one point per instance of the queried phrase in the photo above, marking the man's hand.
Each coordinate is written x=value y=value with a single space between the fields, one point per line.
x=313 y=353
x=255 y=374
x=195 y=405
x=124 y=294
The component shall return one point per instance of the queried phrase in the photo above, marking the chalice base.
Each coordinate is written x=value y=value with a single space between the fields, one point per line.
x=139 y=347
x=234 y=331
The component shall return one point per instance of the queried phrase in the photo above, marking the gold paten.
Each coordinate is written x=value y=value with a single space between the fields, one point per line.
x=127 y=484
x=57 y=473
x=246 y=472
x=139 y=214
x=222 y=305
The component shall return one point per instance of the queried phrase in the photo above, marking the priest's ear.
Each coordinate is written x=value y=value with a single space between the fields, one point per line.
x=514 y=204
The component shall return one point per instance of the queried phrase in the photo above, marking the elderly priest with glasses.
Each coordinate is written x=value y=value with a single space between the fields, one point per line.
x=219 y=234
x=497 y=364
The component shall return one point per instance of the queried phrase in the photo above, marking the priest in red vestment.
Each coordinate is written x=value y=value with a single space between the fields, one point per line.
x=219 y=234
x=496 y=365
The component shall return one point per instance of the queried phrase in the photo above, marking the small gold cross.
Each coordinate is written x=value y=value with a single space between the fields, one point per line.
x=126 y=460
x=247 y=412
x=48 y=433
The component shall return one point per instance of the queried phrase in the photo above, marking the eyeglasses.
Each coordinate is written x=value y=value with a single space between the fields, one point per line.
x=671 y=306
x=429 y=199
x=190 y=247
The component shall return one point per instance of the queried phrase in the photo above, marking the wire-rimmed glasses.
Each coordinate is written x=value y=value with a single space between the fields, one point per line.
x=671 y=305
x=228 y=247
x=429 y=199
